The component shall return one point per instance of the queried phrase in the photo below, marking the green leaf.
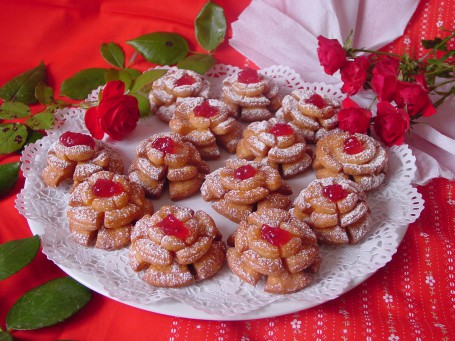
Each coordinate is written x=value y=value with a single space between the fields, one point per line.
x=113 y=54
x=126 y=78
x=40 y=121
x=47 y=304
x=161 y=48
x=44 y=94
x=33 y=136
x=9 y=173
x=429 y=44
x=114 y=74
x=198 y=62
x=52 y=108
x=146 y=79
x=133 y=73
x=22 y=87
x=447 y=56
x=210 y=26
x=144 y=104
x=13 y=110
x=16 y=254
x=5 y=336
x=12 y=137
x=82 y=83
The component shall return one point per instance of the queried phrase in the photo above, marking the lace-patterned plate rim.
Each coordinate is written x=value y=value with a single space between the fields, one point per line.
x=278 y=307
x=180 y=308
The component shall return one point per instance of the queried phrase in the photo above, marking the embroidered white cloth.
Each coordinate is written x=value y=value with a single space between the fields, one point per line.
x=271 y=32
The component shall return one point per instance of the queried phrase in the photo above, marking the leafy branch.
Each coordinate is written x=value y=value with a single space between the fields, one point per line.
x=19 y=126
x=436 y=64
x=59 y=299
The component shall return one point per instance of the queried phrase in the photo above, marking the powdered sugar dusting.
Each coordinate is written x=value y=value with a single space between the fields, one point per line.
x=113 y=276
x=371 y=162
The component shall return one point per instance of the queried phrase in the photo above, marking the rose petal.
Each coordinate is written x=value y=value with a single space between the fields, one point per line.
x=113 y=88
x=349 y=103
x=92 y=123
x=118 y=115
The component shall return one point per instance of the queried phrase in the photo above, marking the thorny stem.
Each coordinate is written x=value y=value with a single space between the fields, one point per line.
x=437 y=72
x=132 y=59
x=441 y=100
x=377 y=52
x=441 y=84
x=373 y=102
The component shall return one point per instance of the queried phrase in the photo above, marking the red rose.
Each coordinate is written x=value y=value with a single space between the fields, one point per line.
x=414 y=98
x=352 y=118
x=384 y=81
x=420 y=79
x=331 y=54
x=391 y=124
x=116 y=115
x=354 y=75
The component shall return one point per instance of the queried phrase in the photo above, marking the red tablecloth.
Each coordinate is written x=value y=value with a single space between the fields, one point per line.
x=412 y=297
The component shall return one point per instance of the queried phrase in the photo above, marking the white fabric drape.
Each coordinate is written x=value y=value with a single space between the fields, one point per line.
x=274 y=32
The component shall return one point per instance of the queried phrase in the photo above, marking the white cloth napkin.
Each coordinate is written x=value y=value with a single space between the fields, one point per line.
x=273 y=32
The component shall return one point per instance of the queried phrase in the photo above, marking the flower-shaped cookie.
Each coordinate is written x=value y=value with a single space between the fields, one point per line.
x=336 y=209
x=244 y=186
x=254 y=96
x=103 y=208
x=166 y=158
x=357 y=157
x=312 y=114
x=176 y=247
x=276 y=143
x=77 y=156
x=174 y=86
x=207 y=124
x=273 y=244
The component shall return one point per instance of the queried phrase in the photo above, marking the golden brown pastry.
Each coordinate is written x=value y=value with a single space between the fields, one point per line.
x=336 y=209
x=254 y=96
x=176 y=247
x=273 y=244
x=164 y=159
x=312 y=114
x=207 y=123
x=174 y=86
x=276 y=143
x=103 y=208
x=77 y=156
x=357 y=157
x=242 y=187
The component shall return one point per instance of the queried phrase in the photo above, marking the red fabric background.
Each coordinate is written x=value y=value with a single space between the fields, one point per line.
x=413 y=297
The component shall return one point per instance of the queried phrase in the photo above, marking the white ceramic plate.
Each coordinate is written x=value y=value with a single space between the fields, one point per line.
x=176 y=308
x=223 y=297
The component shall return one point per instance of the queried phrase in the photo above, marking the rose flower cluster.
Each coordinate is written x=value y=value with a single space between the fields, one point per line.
x=401 y=85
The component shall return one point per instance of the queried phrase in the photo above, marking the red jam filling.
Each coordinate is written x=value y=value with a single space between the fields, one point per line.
x=171 y=226
x=353 y=146
x=334 y=192
x=248 y=76
x=205 y=110
x=70 y=139
x=164 y=144
x=104 y=188
x=275 y=235
x=281 y=129
x=186 y=79
x=245 y=172
x=317 y=101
